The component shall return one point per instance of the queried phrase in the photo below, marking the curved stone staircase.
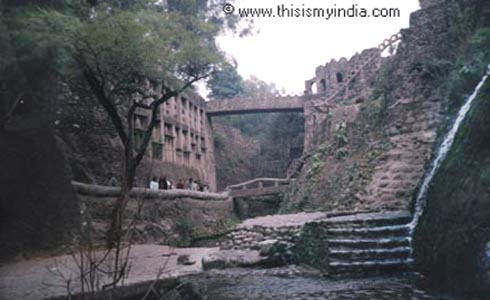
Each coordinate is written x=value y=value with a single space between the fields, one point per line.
x=367 y=243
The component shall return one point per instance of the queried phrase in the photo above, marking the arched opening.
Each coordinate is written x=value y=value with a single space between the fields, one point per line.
x=323 y=85
x=314 y=88
x=339 y=77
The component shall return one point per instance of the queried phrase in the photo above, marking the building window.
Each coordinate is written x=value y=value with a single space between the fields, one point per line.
x=323 y=84
x=187 y=157
x=184 y=105
x=157 y=151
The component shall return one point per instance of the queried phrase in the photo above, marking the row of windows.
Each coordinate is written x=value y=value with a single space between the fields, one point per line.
x=157 y=153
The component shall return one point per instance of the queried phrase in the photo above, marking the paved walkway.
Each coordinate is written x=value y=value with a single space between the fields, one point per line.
x=300 y=219
x=42 y=278
x=283 y=220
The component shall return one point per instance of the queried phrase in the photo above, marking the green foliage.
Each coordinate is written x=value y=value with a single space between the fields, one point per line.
x=485 y=176
x=118 y=40
x=452 y=232
x=219 y=141
x=465 y=75
x=225 y=83
x=341 y=153
x=432 y=70
x=310 y=248
x=279 y=135
x=118 y=44
x=281 y=253
x=341 y=135
x=341 y=141
x=185 y=229
x=289 y=206
x=481 y=43
x=317 y=161
x=376 y=109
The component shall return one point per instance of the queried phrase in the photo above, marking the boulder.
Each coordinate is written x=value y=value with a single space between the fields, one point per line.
x=231 y=258
x=265 y=247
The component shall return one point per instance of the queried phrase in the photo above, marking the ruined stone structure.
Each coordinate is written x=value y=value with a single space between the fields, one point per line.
x=340 y=87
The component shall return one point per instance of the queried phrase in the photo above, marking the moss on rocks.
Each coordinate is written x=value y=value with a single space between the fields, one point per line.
x=451 y=236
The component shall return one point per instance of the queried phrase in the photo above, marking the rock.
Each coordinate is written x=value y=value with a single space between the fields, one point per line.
x=184 y=259
x=265 y=247
x=231 y=258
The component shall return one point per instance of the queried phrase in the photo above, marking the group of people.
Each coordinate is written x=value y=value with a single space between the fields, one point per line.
x=160 y=184
x=165 y=184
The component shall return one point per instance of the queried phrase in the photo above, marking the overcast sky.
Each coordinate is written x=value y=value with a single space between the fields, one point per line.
x=286 y=51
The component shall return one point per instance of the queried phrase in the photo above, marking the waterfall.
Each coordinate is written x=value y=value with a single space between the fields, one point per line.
x=421 y=200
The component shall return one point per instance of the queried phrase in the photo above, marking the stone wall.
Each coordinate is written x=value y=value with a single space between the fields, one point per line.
x=267 y=230
x=256 y=206
x=340 y=138
x=170 y=217
x=413 y=107
x=257 y=236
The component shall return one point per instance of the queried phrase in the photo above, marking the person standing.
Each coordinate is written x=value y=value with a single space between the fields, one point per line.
x=112 y=180
x=163 y=184
x=180 y=184
x=154 y=184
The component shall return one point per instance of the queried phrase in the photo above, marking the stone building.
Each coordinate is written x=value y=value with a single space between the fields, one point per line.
x=182 y=145
x=181 y=148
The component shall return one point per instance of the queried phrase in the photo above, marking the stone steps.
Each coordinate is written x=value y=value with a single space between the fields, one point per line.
x=369 y=254
x=371 y=267
x=379 y=221
x=369 y=243
x=370 y=232
x=380 y=243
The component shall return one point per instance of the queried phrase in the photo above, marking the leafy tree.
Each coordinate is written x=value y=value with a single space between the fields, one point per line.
x=226 y=83
x=254 y=87
x=129 y=54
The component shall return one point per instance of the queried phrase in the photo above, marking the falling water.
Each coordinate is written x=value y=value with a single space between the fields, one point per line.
x=443 y=150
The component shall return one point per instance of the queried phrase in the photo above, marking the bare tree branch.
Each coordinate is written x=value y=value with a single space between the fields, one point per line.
x=106 y=103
